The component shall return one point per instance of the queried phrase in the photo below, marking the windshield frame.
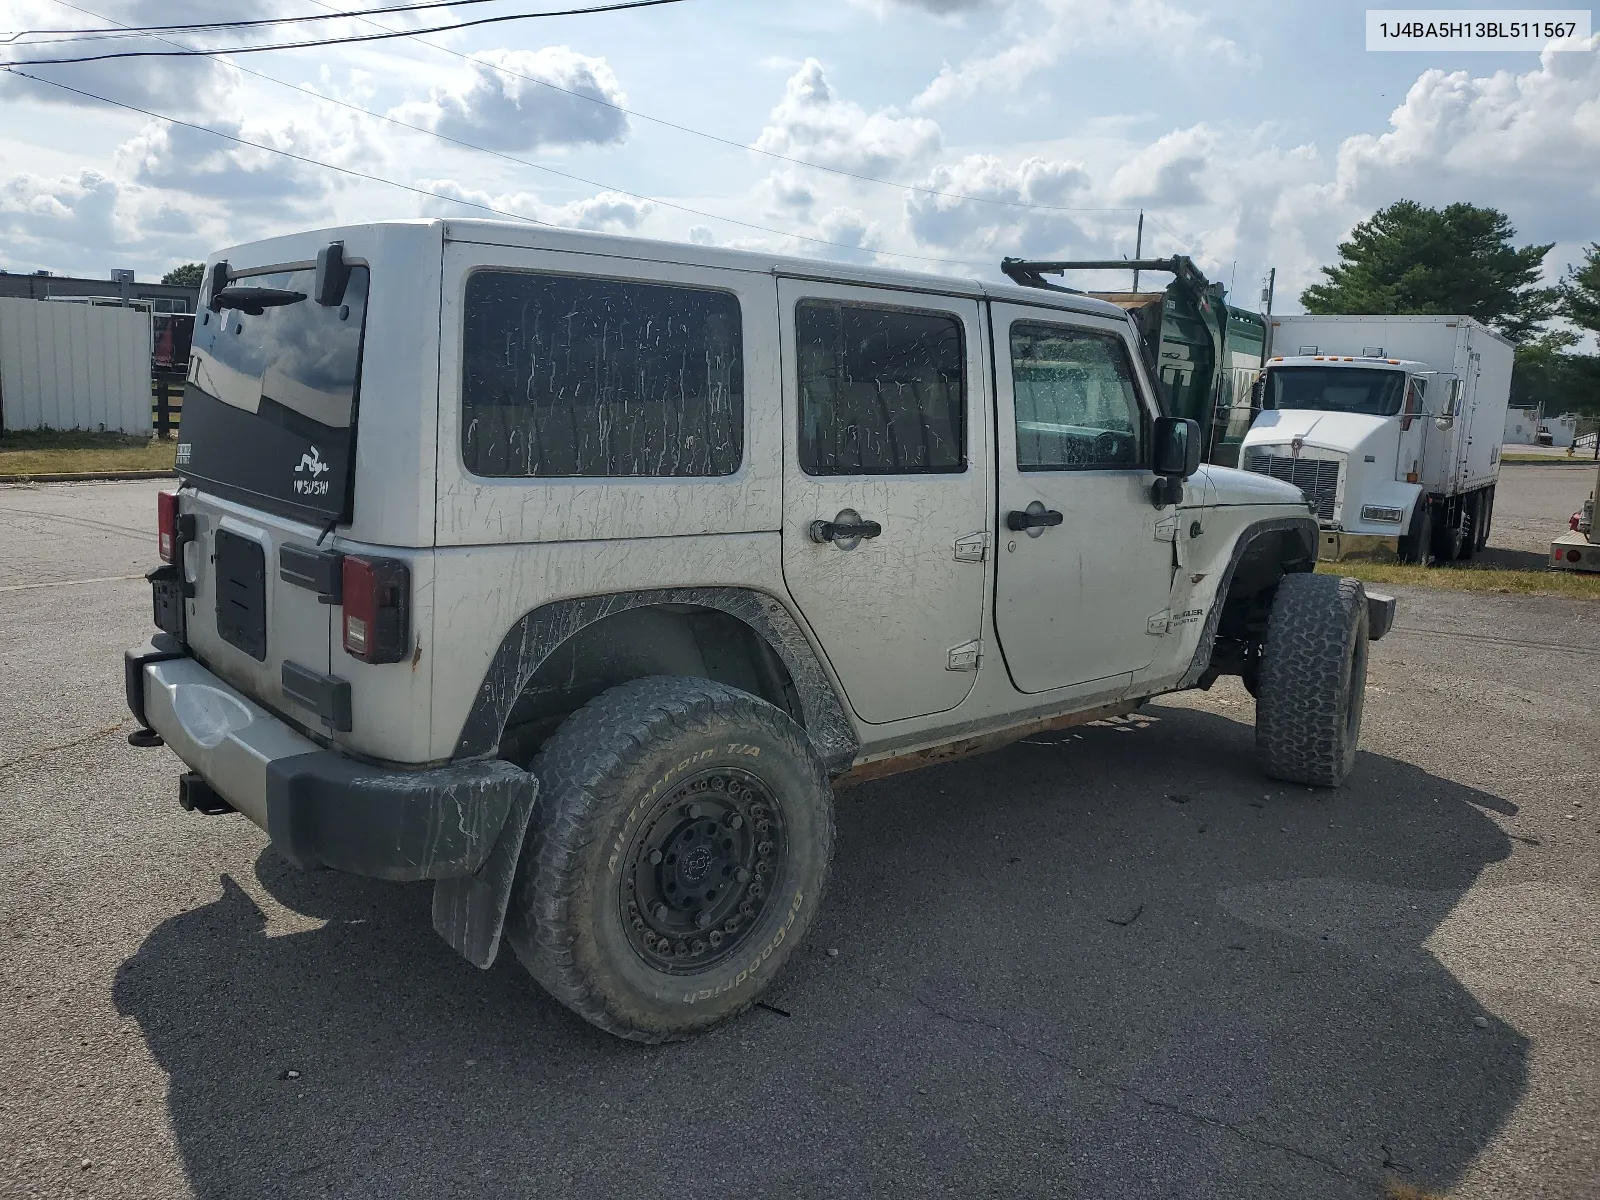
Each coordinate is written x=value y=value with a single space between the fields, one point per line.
x=1390 y=393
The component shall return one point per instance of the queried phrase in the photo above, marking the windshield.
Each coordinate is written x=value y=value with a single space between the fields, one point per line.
x=270 y=402
x=1375 y=392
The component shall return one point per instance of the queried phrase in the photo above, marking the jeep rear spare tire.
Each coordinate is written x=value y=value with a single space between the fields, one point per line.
x=678 y=856
x=1313 y=680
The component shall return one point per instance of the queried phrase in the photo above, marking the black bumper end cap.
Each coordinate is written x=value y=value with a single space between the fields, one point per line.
x=1380 y=615
x=145 y=739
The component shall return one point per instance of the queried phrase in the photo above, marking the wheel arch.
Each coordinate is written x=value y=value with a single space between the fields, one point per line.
x=1264 y=553
x=557 y=657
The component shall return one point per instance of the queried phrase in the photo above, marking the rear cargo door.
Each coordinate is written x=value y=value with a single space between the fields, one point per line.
x=266 y=447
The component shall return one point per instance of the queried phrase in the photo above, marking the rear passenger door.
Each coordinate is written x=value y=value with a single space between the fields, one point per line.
x=885 y=484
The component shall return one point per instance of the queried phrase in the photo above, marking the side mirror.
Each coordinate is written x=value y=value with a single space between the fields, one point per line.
x=1258 y=393
x=1175 y=456
x=332 y=275
x=1176 y=446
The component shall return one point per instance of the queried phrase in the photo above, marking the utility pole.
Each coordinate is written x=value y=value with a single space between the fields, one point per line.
x=1138 y=249
x=1266 y=292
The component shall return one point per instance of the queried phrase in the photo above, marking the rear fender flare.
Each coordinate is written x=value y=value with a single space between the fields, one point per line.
x=537 y=634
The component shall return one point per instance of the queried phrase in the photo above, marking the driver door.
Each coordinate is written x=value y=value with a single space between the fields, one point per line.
x=1083 y=589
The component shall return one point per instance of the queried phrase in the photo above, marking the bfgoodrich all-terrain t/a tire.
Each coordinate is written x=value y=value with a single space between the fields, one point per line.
x=1313 y=680
x=677 y=856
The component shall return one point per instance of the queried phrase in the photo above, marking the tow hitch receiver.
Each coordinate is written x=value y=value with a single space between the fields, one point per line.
x=196 y=795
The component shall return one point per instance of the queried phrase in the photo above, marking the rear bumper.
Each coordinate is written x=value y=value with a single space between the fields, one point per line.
x=1335 y=545
x=1574 y=552
x=319 y=807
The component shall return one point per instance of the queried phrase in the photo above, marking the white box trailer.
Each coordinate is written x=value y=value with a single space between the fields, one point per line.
x=1392 y=426
x=74 y=366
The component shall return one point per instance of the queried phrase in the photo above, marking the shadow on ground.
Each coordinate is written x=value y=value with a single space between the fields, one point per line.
x=1117 y=965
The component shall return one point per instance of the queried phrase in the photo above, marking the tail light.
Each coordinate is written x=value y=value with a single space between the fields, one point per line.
x=167 y=526
x=376 y=608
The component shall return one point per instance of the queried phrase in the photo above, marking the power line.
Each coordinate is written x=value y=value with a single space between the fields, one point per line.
x=467 y=145
x=199 y=26
x=773 y=154
x=618 y=6
x=272 y=149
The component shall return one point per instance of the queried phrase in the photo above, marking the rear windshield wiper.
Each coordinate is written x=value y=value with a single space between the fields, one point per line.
x=255 y=300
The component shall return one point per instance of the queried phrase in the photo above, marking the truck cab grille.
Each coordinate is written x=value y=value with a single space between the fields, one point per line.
x=1318 y=478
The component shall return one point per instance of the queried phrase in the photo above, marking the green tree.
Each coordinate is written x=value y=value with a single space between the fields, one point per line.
x=1580 y=291
x=1408 y=258
x=188 y=275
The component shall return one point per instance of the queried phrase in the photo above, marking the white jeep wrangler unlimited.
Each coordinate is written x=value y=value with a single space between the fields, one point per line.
x=573 y=572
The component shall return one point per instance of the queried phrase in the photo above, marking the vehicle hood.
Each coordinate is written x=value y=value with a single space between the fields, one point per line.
x=1230 y=486
x=1327 y=430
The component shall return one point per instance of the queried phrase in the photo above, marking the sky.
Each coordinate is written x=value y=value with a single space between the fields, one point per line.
x=936 y=135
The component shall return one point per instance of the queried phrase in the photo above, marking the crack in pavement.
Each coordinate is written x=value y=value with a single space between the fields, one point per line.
x=957 y=1018
x=43 y=750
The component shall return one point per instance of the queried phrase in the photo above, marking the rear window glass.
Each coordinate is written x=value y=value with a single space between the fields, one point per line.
x=269 y=406
x=569 y=376
x=881 y=390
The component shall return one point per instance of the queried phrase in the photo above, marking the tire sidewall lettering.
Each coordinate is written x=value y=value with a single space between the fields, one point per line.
x=748 y=973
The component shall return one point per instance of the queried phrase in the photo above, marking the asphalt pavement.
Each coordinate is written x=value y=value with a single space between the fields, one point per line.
x=1110 y=963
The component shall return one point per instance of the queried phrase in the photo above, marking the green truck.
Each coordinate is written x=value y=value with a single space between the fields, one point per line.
x=1206 y=352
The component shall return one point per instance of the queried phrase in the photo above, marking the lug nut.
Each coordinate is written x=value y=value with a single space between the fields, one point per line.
x=695 y=811
x=742 y=874
x=735 y=821
x=655 y=858
x=702 y=918
x=661 y=912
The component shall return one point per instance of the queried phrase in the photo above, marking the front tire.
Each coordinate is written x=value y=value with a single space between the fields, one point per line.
x=1417 y=546
x=680 y=848
x=1313 y=680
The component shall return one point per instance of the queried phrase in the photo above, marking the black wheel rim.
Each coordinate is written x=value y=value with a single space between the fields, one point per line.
x=701 y=869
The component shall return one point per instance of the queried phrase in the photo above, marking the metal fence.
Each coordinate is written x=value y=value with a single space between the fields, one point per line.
x=166 y=402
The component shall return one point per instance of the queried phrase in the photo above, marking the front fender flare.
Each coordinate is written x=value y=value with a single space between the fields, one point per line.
x=1252 y=535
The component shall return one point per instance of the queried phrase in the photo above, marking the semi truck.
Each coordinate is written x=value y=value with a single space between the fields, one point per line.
x=1390 y=425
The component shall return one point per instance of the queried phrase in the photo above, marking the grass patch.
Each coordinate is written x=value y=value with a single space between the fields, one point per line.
x=1586 y=457
x=1473 y=577
x=53 y=451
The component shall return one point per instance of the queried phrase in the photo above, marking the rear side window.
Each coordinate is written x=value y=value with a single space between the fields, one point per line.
x=881 y=390
x=569 y=376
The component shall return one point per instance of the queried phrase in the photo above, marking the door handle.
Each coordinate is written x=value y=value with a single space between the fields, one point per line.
x=1035 y=518
x=844 y=531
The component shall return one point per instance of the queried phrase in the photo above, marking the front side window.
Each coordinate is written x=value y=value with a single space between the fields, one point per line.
x=568 y=376
x=1074 y=400
x=882 y=391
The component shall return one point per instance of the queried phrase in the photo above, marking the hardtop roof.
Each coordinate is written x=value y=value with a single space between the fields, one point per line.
x=574 y=241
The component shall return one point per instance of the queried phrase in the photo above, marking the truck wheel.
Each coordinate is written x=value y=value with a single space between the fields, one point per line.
x=1417 y=546
x=677 y=857
x=1447 y=534
x=1471 y=517
x=1313 y=680
x=1485 y=518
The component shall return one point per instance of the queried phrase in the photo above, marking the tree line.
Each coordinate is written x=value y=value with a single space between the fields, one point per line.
x=1410 y=259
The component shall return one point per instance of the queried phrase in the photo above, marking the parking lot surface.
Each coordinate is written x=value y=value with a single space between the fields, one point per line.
x=1109 y=963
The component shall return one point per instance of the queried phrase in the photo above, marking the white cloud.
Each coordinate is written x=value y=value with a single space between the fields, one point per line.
x=811 y=123
x=1170 y=172
x=510 y=109
x=87 y=222
x=1151 y=26
x=1528 y=142
x=987 y=229
x=605 y=212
